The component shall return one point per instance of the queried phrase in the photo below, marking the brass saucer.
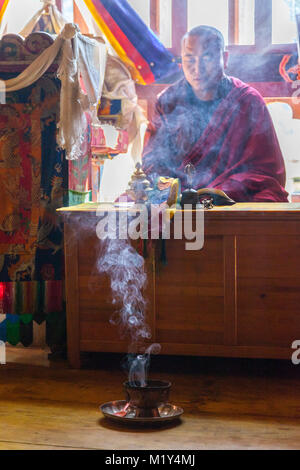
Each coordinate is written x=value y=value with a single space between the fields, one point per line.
x=121 y=411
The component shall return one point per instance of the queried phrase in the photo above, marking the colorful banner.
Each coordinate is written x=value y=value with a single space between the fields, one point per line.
x=15 y=329
x=32 y=297
x=3 y=6
x=136 y=45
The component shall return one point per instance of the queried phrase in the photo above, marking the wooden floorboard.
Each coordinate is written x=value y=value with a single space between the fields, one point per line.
x=4 y=445
x=228 y=404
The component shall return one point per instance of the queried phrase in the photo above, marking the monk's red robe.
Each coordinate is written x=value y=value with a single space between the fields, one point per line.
x=231 y=142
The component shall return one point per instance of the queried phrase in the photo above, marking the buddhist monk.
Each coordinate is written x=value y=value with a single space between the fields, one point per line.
x=218 y=124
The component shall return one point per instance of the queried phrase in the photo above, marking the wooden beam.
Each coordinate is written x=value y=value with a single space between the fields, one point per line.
x=179 y=24
x=263 y=23
x=233 y=23
x=155 y=16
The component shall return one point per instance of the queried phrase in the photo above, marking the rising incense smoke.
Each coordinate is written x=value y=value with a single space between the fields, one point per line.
x=125 y=267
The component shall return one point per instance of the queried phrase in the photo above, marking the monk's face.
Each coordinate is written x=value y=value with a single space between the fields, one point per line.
x=203 y=63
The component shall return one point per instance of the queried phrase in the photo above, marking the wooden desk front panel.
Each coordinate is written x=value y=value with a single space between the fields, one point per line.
x=96 y=309
x=238 y=297
x=189 y=294
x=95 y=300
x=268 y=290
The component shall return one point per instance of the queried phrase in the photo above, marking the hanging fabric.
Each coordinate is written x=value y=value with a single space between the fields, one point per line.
x=136 y=45
x=3 y=9
x=3 y=335
x=56 y=18
x=80 y=57
x=3 y=6
x=118 y=85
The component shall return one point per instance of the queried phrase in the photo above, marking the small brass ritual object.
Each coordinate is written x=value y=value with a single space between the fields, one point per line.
x=139 y=186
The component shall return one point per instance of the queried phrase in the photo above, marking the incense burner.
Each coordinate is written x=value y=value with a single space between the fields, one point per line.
x=146 y=400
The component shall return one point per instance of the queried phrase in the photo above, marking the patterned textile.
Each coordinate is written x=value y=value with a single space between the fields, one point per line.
x=44 y=24
x=20 y=168
x=80 y=170
x=34 y=180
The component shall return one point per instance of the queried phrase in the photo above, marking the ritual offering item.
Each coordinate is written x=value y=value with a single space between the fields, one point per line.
x=217 y=197
x=207 y=197
x=148 y=404
x=146 y=400
x=165 y=190
x=139 y=186
x=190 y=195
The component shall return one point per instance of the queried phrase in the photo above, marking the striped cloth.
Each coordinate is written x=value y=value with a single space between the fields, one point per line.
x=31 y=297
x=3 y=6
x=136 y=45
x=24 y=304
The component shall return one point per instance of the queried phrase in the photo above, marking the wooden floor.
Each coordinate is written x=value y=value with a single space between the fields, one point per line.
x=228 y=404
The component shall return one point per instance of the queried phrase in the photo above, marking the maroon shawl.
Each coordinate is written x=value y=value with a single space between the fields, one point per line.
x=248 y=163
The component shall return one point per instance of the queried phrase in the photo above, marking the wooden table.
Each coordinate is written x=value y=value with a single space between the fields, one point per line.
x=237 y=297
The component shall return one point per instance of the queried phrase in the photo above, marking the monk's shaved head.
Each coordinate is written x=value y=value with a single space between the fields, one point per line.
x=204 y=60
x=208 y=35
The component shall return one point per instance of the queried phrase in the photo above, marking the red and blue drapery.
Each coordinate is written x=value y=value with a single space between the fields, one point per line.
x=135 y=43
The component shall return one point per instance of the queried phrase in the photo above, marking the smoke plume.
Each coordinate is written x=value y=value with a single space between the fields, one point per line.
x=126 y=269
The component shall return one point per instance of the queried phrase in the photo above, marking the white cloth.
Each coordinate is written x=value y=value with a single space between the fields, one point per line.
x=79 y=59
x=118 y=84
x=79 y=56
x=58 y=20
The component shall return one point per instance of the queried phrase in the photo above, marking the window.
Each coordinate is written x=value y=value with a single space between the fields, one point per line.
x=243 y=22
x=157 y=15
x=68 y=10
x=288 y=133
x=142 y=7
x=258 y=23
x=212 y=13
x=246 y=30
x=165 y=22
x=284 y=28
x=170 y=19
